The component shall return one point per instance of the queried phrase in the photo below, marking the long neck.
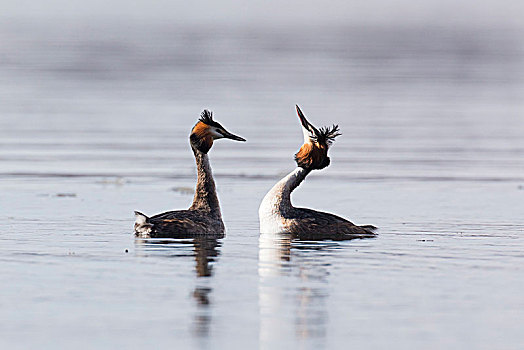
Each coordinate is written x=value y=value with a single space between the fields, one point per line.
x=205 y=192
x=280 y=194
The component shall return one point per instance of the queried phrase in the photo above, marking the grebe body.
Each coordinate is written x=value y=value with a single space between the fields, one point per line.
x=278 y=215
x=203 y=218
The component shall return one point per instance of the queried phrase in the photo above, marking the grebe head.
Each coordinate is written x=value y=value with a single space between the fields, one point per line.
x=314 y=152
x=207 y=130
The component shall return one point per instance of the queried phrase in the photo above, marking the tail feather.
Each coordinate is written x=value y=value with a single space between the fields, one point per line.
x=140 y=218
x=142 y=224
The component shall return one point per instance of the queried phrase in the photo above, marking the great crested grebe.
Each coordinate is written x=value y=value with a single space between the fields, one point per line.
x=278 y=215
x=203 y=218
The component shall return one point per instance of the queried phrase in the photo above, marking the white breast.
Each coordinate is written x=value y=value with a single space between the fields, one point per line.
x=271 y=221
x=278 y=200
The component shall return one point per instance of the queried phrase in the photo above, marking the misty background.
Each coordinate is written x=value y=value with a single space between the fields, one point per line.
x=97 y=99
x=372 y=12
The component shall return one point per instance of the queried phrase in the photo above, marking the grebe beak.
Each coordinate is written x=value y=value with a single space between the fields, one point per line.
x=307 y=125
x=231 y=136
x=307 y=128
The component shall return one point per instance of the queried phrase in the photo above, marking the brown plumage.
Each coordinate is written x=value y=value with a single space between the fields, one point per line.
x=308 y=224
x=312 y=155
x=201 y=137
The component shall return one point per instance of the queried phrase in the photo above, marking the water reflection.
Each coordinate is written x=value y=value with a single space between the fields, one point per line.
x=205 y=250
x=205 y=253
x=202 y=318
x=293 y=290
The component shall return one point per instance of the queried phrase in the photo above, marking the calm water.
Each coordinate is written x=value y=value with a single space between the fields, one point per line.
x=94 y=124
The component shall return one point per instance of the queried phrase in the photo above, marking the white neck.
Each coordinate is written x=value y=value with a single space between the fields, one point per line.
x=276 y=204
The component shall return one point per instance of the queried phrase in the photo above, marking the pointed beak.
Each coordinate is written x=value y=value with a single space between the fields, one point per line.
x=307 y=128
x=231 y=136
x=307 y=125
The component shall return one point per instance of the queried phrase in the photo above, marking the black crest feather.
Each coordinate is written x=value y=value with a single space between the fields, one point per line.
x=206 y=117
x=326 y=134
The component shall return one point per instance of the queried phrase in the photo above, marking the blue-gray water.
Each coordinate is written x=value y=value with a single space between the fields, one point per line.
x=94 y=122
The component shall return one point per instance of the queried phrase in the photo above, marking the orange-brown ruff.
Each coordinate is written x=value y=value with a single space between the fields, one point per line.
x=202 y=136
x=203 y=218
x=312 y=155
x=278 y=215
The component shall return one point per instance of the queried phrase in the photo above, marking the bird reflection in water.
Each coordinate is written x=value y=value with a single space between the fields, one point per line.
x=205 y=251
x=293 y=290
x=202 y=319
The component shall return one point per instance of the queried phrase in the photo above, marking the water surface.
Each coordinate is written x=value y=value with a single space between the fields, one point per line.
x=95 y=120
